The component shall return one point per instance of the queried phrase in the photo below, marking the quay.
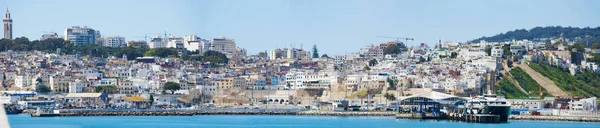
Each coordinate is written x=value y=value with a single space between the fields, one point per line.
x=184 y=112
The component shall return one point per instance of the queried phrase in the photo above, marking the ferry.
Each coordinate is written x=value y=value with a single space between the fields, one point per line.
x=489 y=104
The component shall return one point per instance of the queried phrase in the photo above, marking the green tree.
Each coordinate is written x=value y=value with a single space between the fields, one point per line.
x=421 y=59
x=367 y=68
x=324 y=56
x=315 y=51
x=506 y=50
x=373 y=62
x=488 y=50
x=578 y=46
x=151 y=99
x=453 y=55
x=392 y=49
x=390 y=82
x=42 y=89
x=389 y=96
x=171 y=86
x=215 y=57
x=262 y=54
x=162 y=52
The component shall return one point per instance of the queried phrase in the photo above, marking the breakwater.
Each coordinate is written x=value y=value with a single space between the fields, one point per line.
x=556 y=118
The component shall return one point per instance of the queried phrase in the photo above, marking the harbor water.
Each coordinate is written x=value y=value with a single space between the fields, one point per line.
x=265 y=121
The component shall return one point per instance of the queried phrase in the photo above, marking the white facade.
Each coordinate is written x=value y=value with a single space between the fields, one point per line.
x=295 y=79
x=23 y=81
x=76 y=87
x=114 y=41
x=223 y=45
x=195 y=43
x=497 y=52
x=157 y=42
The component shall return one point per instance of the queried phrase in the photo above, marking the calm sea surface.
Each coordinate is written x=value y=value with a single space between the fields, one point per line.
x=262 y=121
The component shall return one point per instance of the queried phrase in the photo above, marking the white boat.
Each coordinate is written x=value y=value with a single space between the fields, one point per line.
x=489 y=104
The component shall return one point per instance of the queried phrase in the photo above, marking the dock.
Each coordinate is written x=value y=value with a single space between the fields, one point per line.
x=475 y=118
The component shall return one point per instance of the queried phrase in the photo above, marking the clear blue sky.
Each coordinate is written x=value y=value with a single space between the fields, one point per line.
x=336 y=26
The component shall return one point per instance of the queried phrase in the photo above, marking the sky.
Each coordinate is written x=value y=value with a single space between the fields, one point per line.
x=335 y=26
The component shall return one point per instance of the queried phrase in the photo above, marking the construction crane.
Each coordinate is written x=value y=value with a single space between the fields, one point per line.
x=398 y=38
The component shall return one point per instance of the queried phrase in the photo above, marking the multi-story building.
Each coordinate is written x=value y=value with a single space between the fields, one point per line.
x=114 y=41
x=277 y=54
x=175 y=42
x=157 y=42
x=60 y=84
x=295 y=79
x=497 y=52
x=126 y=87
x=23 y=81
x=81 y=36
x=223 y=45
x=372 y=51
x=76 y=86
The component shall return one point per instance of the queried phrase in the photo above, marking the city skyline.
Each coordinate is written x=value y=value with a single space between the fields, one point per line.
x=328 y=24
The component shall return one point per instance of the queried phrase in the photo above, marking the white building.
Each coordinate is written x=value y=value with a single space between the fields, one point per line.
x=497 y=52
x=223 y=45
x=23 y=81
x=195 y=43
x=295 y=79
x=81 y=36
x=49 y=36
x=114 y=41
x=76 y=86
x=157 y=42
x=585 y=104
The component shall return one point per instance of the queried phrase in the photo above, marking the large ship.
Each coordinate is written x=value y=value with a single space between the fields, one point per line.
x=489 y=104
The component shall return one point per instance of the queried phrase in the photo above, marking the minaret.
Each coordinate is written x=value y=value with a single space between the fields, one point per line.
x=7 y=25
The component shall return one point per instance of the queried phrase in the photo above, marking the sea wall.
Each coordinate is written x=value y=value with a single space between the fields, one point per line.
x=556 y=118
x=216 y=112
x=326 y=113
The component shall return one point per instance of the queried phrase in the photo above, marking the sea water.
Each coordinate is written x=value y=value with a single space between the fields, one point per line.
x=265 y=121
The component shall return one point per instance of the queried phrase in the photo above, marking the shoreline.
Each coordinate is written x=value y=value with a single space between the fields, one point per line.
x=285 y=112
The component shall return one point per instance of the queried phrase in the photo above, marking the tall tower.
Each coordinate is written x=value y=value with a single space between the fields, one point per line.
x=7 y=25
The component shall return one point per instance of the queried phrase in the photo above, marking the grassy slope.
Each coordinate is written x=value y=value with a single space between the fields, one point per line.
x=510 y=91
x=527 y=83
x=566 y=81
